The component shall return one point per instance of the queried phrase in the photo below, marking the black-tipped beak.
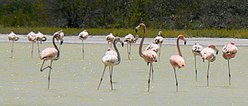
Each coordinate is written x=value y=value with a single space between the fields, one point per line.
x=136 y=30
x=61 y=42
x=122 y=44
x=184 y=42
x=217 y=52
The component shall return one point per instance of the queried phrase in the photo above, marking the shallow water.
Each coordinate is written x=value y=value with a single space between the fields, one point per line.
x=74 y=80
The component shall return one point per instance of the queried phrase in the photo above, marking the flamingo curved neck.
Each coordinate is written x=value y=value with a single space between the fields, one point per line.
x=141 y=42
x=56 y=47
x=118 y=54
x=178 y=48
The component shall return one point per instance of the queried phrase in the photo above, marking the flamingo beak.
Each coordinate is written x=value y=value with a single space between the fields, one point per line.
x=136 y=30
x=61 y=42
x=184 y=42
x=122 y=44
x=217 y=52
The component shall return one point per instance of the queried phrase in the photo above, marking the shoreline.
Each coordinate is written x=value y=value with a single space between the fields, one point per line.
x=98 y=39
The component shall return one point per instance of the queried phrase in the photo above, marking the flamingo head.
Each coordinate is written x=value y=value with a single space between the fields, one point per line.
x=181 y=36
x=142 y=25
x=214 y=48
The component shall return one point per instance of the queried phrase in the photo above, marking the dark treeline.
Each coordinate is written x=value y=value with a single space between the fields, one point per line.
x=166 y=14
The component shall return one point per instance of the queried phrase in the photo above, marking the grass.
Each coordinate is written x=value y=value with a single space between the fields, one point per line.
x=223 y=33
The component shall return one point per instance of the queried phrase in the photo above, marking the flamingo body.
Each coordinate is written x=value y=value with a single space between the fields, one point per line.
x=229 y=51
x=177 y=61
x=83 y=35
x=154 y=47
x=49 y=54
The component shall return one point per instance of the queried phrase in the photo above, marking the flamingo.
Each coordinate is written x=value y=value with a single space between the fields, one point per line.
x=159 y=40
x=12 y=37
x=111 y=58
x=49 y=54
x=149 y=56
x=209 y=53
x=110 y=39
x=229 y=52
x=196 y=50
x=59 y=37
x=177 y=60
x=153 y=46
x=32 y=38
x=129 y=38
x=82 y=36
x=40 y=37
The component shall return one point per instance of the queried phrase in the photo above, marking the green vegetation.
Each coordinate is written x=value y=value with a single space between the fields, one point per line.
x=241 y=33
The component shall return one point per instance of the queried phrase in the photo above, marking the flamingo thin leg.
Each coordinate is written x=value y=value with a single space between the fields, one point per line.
x=101 y=77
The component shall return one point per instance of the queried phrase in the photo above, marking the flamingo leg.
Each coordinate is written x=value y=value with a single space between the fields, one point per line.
x=128 y=52
x=49 y=75
x=159 y=51
x=32 y=50
x=149 y=81
x=38 y=45
x=83 y=48
x=42 y=69
x=101 y=77
x=176 y=79
x=208 y=73
x=12 y=46
x=152 y=71
x=195 y=68
x=229 y=72
x=111 y=76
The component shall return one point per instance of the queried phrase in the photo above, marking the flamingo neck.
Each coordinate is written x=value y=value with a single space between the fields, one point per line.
x=141 y=42
x=56 y=47
x=117 y=51
x=178 y=48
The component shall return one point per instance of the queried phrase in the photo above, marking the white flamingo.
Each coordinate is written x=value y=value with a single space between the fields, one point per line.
x=111 y=58
x=51 y=53
x=159 y=40
x=110 y=39
x=196 y=50
x=129 y=38
x=40 y=37
x=32 y=38
x=59 y=37
x=82 y=36
x=12 y=37
x=209 y=53
x=153 y=46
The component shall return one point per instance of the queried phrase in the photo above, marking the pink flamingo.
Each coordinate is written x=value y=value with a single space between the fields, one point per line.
x=49 y=54
x=196 y=50
x=177 y=60
x=148 y=55
x=12 y=37
x=229 y=52
x=209 y=53
x=111 y=58
x=82 y=36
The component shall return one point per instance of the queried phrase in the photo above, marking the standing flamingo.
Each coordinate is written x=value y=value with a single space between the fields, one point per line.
x=110 y=39
x=153 y=46
x=32 y=38
x=12 y=37
x=209 y=53
x=129 y=38
x=159 y=40
x=82 y=36
x=111 y=58
x=177 y=60
x=148 y=55
x=229 y=51
x=196 y=50
x=49 y=54
x=40 y=37
x=59 y=37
